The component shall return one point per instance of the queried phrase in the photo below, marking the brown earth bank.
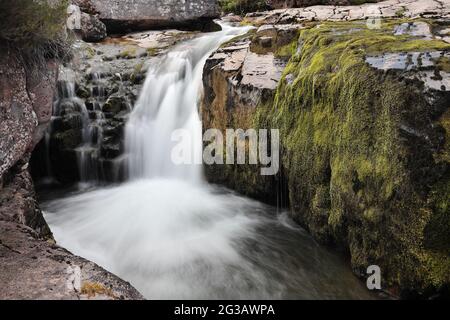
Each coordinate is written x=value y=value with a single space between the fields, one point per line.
x=361 y=96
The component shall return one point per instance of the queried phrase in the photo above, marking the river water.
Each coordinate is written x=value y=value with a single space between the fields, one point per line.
x=171 y=234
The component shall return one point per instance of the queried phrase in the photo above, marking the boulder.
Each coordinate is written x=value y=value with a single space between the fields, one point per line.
x=92 y=29
x=364 y=134
x=120 y=16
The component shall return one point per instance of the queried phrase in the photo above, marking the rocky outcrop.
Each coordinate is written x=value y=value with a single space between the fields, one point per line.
x=390 y=9
x=96 y=92
x=364 y=135
x=25 y=102
x=120 y=16
x=32 y=266
x=279 y=4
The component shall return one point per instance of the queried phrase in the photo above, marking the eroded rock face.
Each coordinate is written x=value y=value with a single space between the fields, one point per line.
x=32 y=266
x=365 y=140
x=121 y=15
x=238 y=78
x=25 y=103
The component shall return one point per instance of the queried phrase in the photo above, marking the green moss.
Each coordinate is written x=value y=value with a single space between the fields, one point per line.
x=350 y=180
x=352 y=174
x=287 y=50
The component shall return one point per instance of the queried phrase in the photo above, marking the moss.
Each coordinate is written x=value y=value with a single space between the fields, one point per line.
x=354 y=178
x=444 y=64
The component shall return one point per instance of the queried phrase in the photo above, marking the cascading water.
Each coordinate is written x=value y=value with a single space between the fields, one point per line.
x=173 y=236
x=169 y=102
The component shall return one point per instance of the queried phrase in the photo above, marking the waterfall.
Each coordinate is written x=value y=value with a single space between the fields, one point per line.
x=173 y=237
x=169 y=102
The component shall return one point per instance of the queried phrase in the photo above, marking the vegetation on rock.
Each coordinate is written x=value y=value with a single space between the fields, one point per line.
x=35 y=28
x=362 y=152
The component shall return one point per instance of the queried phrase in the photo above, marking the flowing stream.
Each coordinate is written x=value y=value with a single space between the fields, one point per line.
x=171 y=234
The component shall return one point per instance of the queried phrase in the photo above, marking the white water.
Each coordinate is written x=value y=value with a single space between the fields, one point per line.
x=174 y=237
x=169 y=101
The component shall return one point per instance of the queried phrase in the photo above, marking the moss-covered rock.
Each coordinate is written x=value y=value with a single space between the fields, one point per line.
x=364 y=151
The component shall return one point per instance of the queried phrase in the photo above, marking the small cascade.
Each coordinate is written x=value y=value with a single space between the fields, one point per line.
x=77 y=127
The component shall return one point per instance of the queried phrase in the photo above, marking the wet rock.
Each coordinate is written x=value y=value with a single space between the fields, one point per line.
x=337 y=109
x=242 y=76
x=115 y=104
x=423 y=66
x=415 y=29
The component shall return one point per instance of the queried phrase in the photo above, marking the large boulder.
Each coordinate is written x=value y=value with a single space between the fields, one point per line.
x=364 y=136
x=150 y=14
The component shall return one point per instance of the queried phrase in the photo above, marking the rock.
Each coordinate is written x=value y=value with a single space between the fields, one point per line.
x=232 y=18
x=115 y=104
x=92 y=29
x=36 y=269
x=32 y=266
x=25 y=101
x=86 y=6
x=364 y=134
x=415 y=29
x=120 y=16
x=367 y=11
x=236 y=81
x=279 y=4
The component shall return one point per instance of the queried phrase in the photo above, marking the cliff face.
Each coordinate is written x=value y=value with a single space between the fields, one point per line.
x=147 y=14
x=32 y=265
x=364 y=131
